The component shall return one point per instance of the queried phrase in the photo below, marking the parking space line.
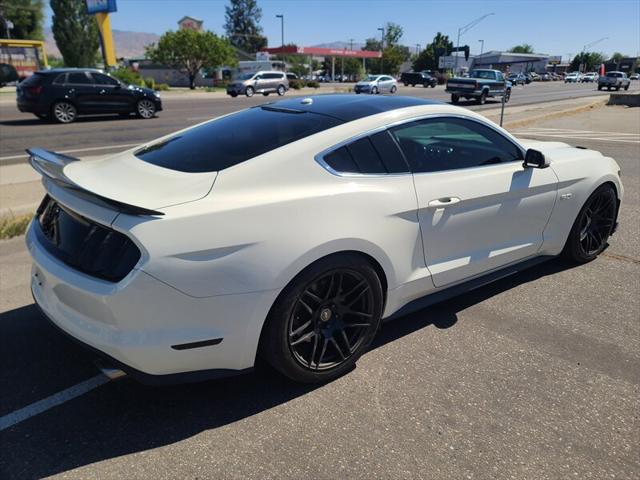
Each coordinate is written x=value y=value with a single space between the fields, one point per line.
x=54 y=400
x=77 y=150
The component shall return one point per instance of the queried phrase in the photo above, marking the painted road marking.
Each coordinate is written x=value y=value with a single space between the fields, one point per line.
x=54 y=400
x=578 y=134
x=77 y=150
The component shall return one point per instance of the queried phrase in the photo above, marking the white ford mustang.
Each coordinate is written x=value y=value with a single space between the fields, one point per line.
x=289 y=231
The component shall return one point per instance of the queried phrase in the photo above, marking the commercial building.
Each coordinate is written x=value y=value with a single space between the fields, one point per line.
x=517 y=62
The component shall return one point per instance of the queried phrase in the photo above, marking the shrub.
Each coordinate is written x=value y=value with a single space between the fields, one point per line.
x=127 y=76
x=296 y=84
x=13 y=226
x=149 y=82
x=162 y=87
x=313 y=84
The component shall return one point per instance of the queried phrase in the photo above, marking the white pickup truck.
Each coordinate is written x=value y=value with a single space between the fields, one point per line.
x=615 y=80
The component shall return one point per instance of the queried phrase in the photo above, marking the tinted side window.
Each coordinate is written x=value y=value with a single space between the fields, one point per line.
x=78 y=78
x=366 y=157
x=450 y=143
x=101 y=79
x=341 y=161
x=272 y=75
x=60 y=79
x=389 y=153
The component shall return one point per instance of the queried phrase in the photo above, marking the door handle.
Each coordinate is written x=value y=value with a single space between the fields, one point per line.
x=444 y=202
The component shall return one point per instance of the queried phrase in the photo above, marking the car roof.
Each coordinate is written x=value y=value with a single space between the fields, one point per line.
x=349 y=107
x=65 y=70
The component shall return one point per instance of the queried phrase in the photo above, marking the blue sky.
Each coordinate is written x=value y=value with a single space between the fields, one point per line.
x=556 y=27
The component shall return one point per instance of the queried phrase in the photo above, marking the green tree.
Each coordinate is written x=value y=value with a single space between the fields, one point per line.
x=75 y=32
x=242 y=25
x=192 y=51
x=27 y=17
x=617 y=58
x=524 y=48
x=588 y=60
x=393 y=54
x=429 y=57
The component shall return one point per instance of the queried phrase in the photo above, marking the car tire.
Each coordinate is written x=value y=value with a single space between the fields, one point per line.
x=593 y=226
x=374 y=91
x=599 y=87
x=406 y=84
x=249 y=91
x=145 y=108
x=433 y=85
x=64 y=112
x=233 y=94
x=413 y=84
x=313 y=333
x=394 y=89
x=266 y=94
x=281 y=90
x=482 y=99
x=617 y=89
x=455 y=98
x=626 y=88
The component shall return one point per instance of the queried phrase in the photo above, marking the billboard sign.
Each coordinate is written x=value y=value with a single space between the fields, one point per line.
x=101 y=6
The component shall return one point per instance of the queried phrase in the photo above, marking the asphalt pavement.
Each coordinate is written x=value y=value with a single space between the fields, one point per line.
x=103 y=134
x=536 y=376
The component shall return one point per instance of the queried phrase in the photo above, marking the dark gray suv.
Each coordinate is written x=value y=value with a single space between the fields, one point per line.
x=264 y=82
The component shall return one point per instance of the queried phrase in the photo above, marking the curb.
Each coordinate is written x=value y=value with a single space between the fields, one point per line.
x=549 y=116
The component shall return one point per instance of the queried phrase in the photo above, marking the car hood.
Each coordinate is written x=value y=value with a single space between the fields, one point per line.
x=127 y=179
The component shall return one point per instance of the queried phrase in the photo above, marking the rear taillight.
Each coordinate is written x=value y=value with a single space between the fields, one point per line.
x=35 y=91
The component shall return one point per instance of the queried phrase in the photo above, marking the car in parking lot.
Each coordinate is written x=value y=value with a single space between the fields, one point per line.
x=634 y=76
x=573 y=77
x=518 y=79
x=288 y=231
x=375 y=84
x=589 y=77
x=264 y=82
x=614 y=80
x=63 y=94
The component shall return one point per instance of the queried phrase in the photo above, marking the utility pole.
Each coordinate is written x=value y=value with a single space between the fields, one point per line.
x=481 y=46
x=462 y=31
x=351 y=44
x=417 y=49
x=381 y=50
x=583 y=63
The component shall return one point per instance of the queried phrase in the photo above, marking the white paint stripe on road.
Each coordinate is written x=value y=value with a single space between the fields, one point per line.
x=78 y=150
x=575 y=138
x=54 y=400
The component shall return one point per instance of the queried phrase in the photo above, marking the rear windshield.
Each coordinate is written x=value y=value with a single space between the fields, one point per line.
x=485 y=74
x=614 y=74
x=234 y=139
x=33 y=80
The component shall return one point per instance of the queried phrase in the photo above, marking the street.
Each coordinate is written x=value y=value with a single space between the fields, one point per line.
x=535 y=376
x=101 y=135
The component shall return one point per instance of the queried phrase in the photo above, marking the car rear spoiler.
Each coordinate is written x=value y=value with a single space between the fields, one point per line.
x=51 y=165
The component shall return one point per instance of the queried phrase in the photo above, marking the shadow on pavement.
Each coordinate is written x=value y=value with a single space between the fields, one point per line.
x=125 y=417
x=23 y=122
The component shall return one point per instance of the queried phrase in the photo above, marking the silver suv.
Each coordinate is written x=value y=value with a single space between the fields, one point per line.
x=264 y=82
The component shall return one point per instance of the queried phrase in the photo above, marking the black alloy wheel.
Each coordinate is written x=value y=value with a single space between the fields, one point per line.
x=324 y=321
x=594 y=225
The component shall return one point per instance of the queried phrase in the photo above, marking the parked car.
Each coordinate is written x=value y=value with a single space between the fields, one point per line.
x=288 y=232
x=8 y=74
x=545 y=77
x=517 y=79
x=481 y=84
x=555 y=77
x=62 y=94
x=376 y=84
x=615 y=80
x=292 y=76
x=534 y=76
x=634 y=76
x=589 y=77
x=264 y=82
x=573 y=77
x=418 y=78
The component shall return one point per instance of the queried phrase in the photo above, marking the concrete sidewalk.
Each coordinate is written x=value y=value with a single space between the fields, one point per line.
x=21 y=190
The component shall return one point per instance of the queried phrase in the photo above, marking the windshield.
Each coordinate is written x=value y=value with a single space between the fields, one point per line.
x=233 y=139
x=486 y=74
x=372 y=78
x=245 y=76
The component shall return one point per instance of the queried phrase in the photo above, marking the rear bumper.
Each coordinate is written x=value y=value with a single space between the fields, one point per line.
x=29 y=106
x=142 y=325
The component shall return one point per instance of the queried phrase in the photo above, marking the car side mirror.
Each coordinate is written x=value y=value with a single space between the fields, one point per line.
x=535 y=159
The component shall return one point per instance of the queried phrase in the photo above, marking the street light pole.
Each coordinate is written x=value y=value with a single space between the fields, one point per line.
x=281 y=17
x=583 y=64
x=465 y=29
x=481 y=46
x=381 y=50
x=417 y=49
x=351 y=44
